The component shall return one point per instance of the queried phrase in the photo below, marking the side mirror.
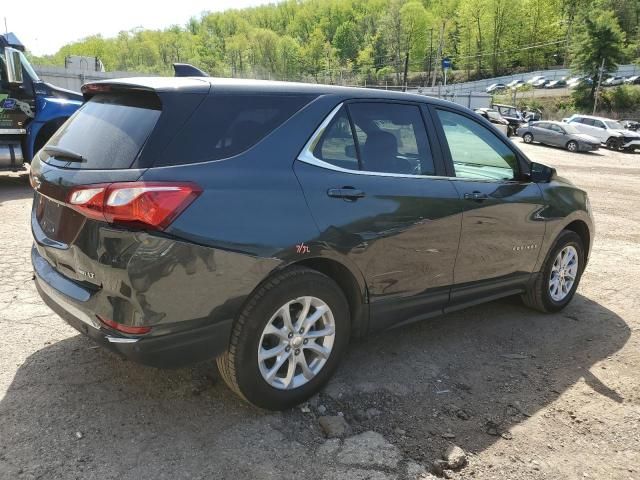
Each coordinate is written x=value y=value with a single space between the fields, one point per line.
x=14 y=66
x=540 y=173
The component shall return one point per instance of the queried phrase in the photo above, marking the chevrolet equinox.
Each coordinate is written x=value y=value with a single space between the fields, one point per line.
x=265 y=224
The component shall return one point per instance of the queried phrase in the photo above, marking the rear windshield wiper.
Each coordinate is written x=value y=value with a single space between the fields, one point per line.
x=60 y=152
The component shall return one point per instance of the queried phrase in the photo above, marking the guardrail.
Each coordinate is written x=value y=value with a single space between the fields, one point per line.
x=481 y=85
x=73 y=79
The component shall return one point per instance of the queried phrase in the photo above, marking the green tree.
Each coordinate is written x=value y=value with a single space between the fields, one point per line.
x=598 y=39
x=346 y=41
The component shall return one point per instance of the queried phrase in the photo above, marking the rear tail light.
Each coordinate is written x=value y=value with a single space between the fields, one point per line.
x=150 y=205
x=123 y=328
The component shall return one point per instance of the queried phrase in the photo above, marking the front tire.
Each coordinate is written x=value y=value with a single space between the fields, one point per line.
x=527 y=137
x=613 y=144
x=572 y=146
x=558 y=280
x=288 y=340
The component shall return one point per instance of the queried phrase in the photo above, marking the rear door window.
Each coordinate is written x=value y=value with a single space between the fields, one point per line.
x=226 y=125
x=108 y=131
x=392 y=138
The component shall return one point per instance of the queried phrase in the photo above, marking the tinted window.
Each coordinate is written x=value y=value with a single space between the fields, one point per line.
x=556 y=128
x=476 y=152
x=392 y=138
x=588 y=121
x=598 y=123
x=226 y=125
x=109 y=130
x=542 y=125
x=337 y=146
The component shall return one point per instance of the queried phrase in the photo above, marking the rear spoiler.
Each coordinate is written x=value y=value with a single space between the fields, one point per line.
x=146 y=84
x=186 y=70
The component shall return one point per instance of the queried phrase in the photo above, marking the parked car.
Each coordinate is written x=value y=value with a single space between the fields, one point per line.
x=556 y=84
x=580 y=82
x=511 y=114
x=541 y=83
x=535 y=79
x=558 y=134
x=633 y=80
x=610 y=132
x=516 y=83
x=613 y=81
x=266 y=223
x=496 y=87
x=494 y=117
x=632 y=125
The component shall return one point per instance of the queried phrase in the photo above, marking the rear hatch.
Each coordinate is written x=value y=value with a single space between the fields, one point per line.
x=96 y=157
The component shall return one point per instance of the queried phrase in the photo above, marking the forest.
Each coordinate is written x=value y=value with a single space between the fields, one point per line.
x=393 y=42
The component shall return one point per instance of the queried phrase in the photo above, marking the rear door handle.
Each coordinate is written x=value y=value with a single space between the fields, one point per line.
x=476 y=196
x=348 y=193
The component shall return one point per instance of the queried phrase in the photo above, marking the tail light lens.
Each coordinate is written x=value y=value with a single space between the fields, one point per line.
x=150 y=205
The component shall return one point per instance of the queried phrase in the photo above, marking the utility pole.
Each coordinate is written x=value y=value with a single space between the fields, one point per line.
x=430 y=55
x=406 y=71
x=439 y=56
x=595 y=100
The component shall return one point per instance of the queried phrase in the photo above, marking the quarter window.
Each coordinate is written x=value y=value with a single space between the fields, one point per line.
x=337 y=146
x=475 y=151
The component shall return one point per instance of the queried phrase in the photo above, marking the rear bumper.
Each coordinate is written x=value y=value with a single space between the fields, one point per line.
x=179 y=348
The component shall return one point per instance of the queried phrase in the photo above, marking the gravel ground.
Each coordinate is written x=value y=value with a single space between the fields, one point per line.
x=525 y=395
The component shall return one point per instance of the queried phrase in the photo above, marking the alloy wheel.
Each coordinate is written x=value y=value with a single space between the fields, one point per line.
x=296 y=343
x=572 y=146
x=563 y=273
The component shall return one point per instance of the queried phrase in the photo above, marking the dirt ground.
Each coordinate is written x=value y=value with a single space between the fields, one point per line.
x=526 y=395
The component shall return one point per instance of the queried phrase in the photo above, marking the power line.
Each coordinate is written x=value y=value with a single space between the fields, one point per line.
x=529 y=47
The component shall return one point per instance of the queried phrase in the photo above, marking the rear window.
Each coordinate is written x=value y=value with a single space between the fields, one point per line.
x=108 y=131
x=227 y=125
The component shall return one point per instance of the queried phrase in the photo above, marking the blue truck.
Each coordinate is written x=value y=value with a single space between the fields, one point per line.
x=30 y=110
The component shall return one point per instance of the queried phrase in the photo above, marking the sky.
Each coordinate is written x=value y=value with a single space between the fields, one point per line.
x=45 y=26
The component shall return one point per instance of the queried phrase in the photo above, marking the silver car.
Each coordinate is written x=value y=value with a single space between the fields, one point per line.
x=558 y=134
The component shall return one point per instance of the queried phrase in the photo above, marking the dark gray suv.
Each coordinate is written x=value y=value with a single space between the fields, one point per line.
x=265 y=224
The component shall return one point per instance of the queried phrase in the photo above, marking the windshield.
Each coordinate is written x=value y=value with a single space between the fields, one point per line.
x=614 y=125
x=108 y=131
x=493 y=114
x=27 y=66
x=570 y=129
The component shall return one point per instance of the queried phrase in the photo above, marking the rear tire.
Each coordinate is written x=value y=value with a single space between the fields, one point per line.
x=540 y=295
x=527 y=138
x=244 y=367
x=572 y=146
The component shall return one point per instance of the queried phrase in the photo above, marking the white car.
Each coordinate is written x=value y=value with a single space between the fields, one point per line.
x=610 y=132
x=535 y=79
x=515 y=84
x=613 y=81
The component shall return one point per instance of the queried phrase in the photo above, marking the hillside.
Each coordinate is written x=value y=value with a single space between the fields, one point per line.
x=358 y=41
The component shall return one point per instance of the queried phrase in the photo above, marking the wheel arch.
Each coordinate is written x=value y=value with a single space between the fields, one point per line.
x=582 y=230
x=351 y=283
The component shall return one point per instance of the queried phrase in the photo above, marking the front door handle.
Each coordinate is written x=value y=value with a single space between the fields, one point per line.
x=476 y=196
x=348 y=193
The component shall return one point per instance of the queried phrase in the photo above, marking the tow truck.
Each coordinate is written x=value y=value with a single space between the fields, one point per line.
x=30 y=110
